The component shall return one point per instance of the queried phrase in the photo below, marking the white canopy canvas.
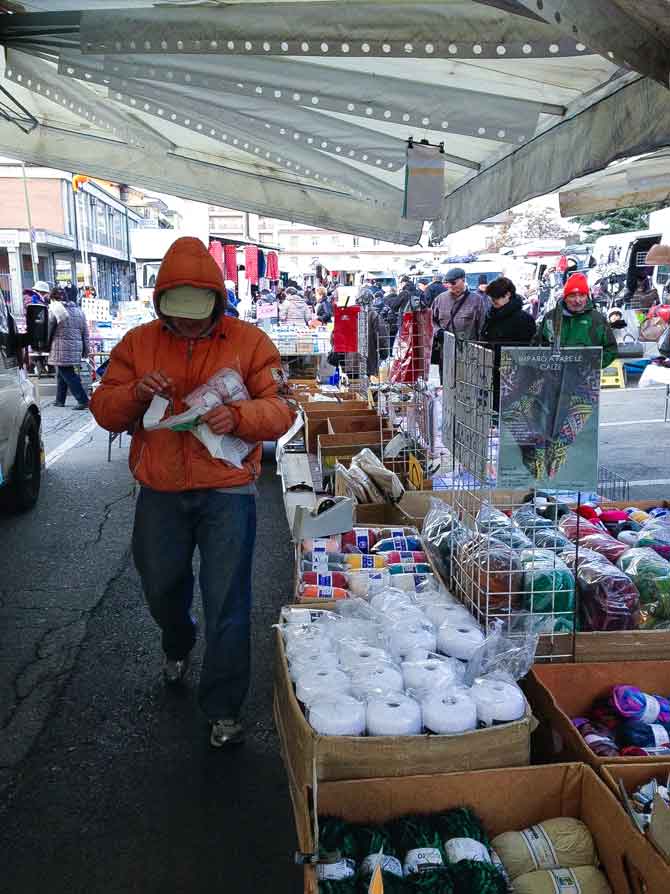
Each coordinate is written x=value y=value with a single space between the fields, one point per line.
x=303 y=110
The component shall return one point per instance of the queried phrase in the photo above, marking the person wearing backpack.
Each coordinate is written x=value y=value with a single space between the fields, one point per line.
x=575 y=323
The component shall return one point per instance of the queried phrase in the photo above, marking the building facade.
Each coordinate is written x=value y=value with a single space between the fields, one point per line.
x=80 y=234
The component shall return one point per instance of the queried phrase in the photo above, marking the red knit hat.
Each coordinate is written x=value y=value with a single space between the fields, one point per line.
x=576 y=283
x=188 y=263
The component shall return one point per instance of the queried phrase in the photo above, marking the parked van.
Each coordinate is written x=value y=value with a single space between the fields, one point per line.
x=21 y=448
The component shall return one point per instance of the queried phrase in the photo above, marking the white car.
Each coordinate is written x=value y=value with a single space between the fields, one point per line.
x=21 y=448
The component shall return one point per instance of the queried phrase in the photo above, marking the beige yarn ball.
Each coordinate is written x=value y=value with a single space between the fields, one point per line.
x=553 y=844
x=582 y=879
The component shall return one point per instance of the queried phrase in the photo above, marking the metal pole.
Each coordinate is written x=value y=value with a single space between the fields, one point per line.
x=33 y=245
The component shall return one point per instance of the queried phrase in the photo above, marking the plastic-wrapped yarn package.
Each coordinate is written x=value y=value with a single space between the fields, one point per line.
x=312 y=660
x=409 y=568
x=380 y=679
x=656 y=534
x=459 y=641
x=427 y=674
x=498 y=701
x=548 y=583
x=608 y=546
x=448 y=712
x=329 y=544
x=583 y=879
x=644 y=735
x=395 y=557
x=311 y=593
x=497 y=570
x=550 y=538
x=337 y=715
x=315 y=683
x=441 y=532
x=609 y=599
x=365 y=583
x=384 y=479
x=354 y=654
x=529 y=520
x=512 y=537
x=361 y=539
x=326 y=579
x=406 y=639
x=413 y=583
x=650 y=573
x=489 y=518
x=558 y=843
x=396 y=715
x=573 y=525
x=438 y=613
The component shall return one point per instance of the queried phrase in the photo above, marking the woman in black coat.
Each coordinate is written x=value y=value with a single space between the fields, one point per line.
x=506 y=325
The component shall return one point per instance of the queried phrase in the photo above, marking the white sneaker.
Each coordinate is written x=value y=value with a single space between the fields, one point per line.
x=174 y=671
x=226 y=732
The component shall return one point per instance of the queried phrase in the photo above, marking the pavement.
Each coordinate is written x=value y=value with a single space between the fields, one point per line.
x=107 y=782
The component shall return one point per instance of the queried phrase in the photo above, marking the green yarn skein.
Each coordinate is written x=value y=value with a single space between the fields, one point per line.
x=420 y=833
x=467 y=848
x=337 y=839
x=372 y=839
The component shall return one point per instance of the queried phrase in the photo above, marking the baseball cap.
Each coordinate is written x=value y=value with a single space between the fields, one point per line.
x=188 y=301
x=454 y=274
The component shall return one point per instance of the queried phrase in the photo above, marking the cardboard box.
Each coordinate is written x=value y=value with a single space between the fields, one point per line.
x=316 y=421
x=332 y=449
x=631 y=776
x=310 y=757
x=506 y=800
x=558 y=692
x=350 y=424
x=623 y=645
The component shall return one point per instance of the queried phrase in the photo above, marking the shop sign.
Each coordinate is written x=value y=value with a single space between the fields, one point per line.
x=9 y=239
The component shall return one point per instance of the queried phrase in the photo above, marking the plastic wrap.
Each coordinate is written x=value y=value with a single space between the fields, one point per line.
x=608 y=598
x=441 y=534
x=405 y=543
x=548 y=583
x=529 y=520
x=505 y=655
x=423 y=675
x=376 y=680
x=489 y=518
x=359 y=540
x=367 y=583
x=414 y=583
x=363 y=484
x=572 y=524
x=326 y=681
x=407 y=638
x=608 y=546
x=395 y=556
x=386 y=481
x=410 y=568
x=449 y=711
x=655 y=533
x=513 y=537
x=309 y=593
x=650 y=573
x=550 y=538
x=496 y=572
x=326 y=579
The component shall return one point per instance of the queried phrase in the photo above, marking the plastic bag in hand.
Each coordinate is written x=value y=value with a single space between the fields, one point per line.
x=608 y=598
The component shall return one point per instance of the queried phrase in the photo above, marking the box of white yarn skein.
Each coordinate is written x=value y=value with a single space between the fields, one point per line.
x=310 y=757
x=561 y=693
x=512 y=800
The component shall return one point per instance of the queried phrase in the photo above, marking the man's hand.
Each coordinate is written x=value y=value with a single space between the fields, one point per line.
x=221 y=420
x=154 y=383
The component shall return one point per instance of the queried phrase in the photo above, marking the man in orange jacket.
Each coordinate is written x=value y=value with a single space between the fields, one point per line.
x=188 y=498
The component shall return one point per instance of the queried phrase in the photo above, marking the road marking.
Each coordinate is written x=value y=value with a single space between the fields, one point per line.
x=69 y=443
x=632 y=422
x=650 y=482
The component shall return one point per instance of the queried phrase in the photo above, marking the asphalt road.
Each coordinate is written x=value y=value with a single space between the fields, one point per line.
x=107 y=782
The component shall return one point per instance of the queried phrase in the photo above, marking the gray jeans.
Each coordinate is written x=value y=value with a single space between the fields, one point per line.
x=168 y=527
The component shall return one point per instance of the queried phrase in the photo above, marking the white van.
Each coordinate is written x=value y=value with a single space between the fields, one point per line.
x=21 y=448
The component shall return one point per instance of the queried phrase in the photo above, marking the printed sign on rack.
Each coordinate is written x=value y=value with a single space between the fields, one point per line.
x=549 y=403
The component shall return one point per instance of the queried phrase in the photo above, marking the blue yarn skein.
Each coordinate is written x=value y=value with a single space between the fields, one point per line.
x=643 y=735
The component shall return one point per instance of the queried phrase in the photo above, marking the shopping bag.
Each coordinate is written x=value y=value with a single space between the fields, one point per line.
x=631 y=348
x=652 y=329
x=413 y=348
x=345 y=329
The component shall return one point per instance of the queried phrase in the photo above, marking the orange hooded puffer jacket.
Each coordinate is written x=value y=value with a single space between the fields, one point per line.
x=176 y=461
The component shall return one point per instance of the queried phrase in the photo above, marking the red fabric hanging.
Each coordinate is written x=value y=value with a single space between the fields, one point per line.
x=272 y=268
x=412 y=348
x=216 y=251
x=251 y=263
x=345 y=329
x=230 y=258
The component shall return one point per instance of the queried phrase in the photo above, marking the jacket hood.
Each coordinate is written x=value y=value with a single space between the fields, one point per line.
x=188 y=263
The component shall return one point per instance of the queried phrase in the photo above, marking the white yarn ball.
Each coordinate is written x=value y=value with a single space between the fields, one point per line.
x=378 y=679
x=459 y=641
x=311 y=660
x=428 y=673
x=337 y=715
x=449 y=713
x=498 y=701
x=440 y=612
x=354 y=655
x=408 y=636
x=328 y=681
x=398 y=715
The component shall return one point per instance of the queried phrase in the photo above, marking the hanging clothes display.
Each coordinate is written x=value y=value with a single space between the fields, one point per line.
x=261 y=264
x=216 y=251
x=272 y=271
x=251 y=264
x=230 y=259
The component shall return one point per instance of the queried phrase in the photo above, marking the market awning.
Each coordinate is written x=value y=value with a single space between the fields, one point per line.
x=635 y=181
x=303 y=110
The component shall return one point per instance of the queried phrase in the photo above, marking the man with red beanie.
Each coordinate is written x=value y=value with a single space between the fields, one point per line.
x=188 y=497
x=575 y=323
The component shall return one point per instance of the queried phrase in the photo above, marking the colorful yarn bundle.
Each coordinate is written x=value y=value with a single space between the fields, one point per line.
x=408 y=542
x=604 y=714
x=651 y=575
x=635 y=734
x=560 y=843
x=633 y=704
x=597 y=737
